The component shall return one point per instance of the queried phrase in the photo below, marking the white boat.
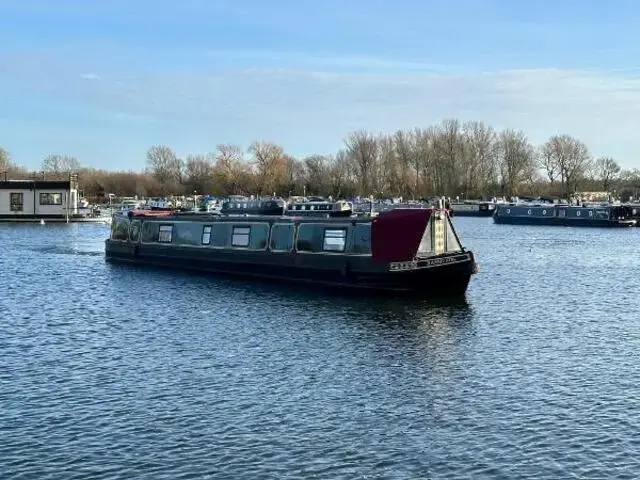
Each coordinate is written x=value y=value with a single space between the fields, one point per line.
x=159 y=204
x=128 y=205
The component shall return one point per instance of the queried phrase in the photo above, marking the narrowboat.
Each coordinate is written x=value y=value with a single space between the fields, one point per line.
x=634 y=210
x=472 y=209
x=277 y=206
x=159 y=204
x=564 y=215
x=414 y=251
x=339 y=208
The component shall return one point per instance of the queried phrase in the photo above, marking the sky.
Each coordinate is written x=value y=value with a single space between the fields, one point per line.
x=103 y=80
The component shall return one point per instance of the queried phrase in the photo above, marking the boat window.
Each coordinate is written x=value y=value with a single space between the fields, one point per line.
x=334 y=239
x=165 y=233
x=50 y=199
x=16 y=201
x=149 y=231
x=206 y=234
x=282 y=237
x=562 y=213
x=259 y=236
x=309 y=238
x=134 y=231
x=187 y=233
x=453 y=244
x=240 y=236
x=120 y=229
x=426 y=242
x=220 y=234
x=361 y=238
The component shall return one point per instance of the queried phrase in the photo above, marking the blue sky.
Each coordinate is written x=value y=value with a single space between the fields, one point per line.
x=104 y=80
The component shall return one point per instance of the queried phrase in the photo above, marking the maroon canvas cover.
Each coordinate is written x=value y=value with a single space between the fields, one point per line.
x=151 y=213
x=396 y=234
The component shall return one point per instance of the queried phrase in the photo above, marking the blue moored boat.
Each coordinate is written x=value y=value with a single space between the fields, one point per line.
x=471 y=208
x=565 y=215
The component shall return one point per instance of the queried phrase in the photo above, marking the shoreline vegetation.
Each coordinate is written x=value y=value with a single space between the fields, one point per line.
x=452 y=158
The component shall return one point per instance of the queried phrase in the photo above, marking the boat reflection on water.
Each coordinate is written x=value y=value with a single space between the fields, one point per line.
x=384 y=311
x=428 y=324
x=397 y=313
x=426 y=336
x=430 y=335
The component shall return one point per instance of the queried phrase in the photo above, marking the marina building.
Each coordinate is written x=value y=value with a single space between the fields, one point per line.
x=38 y=199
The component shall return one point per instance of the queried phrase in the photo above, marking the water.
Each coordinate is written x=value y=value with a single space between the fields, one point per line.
x=121 y=372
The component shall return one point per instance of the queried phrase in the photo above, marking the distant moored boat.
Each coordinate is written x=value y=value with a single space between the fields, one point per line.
x=565 y=215
x=471 y=208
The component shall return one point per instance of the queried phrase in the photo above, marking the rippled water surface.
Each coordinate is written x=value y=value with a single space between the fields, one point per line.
x=125 y=372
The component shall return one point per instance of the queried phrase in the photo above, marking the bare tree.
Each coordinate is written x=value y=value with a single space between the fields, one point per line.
x=164 y=165
x=607 y=170
x=388 y=171
x=315 y=167
x=228 y=156
x=362 y=149
x=58 y=164
x=269 y=163
x=516 y=161
x=449 y=158
x=630 y=183
x=5 y=160
x=199 y=173
x=10 y=170
x=480 y=166
x=231 y=170
x=571 y=159
x=450 y=150
x=426 y=163
x=341 y=177
x=549 y=163
x=294 y=176
x=405 y=146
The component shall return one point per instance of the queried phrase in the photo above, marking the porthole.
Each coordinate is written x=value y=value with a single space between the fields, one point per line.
x=508 y=210
x=529 y=212
x=578 y=214
x=544 y=212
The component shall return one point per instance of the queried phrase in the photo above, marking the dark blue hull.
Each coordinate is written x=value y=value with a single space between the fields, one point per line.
x=470 y=213
x=562 y=222
x=446 y=276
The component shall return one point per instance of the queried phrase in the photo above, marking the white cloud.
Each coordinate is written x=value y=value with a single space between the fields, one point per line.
x=349 y=63
x=312 y=107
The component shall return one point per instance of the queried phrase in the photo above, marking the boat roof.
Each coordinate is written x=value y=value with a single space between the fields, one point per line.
x=563 y=205
x=207 y=217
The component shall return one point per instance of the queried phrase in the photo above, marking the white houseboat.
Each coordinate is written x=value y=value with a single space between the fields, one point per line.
x=35 y=200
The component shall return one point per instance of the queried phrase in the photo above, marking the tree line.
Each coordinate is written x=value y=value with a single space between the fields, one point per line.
x=452 y=158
